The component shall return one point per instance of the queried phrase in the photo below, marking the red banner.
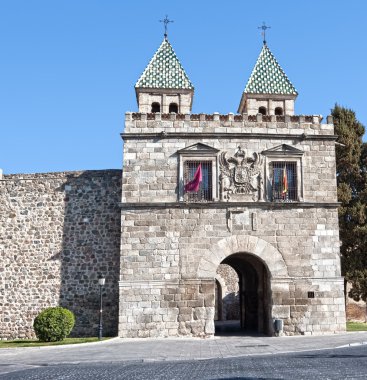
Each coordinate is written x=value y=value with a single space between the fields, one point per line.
x=194 y=184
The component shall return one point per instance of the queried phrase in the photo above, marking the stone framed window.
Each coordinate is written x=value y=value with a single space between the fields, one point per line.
x=283 y=174
x=284 y=181
x=189 y=160
x=205 y=190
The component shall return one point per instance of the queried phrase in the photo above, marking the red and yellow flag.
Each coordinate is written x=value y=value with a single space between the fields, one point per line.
x=285 y=181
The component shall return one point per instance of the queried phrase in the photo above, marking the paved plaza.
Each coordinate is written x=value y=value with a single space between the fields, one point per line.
x=133 y=351
x=343 y=363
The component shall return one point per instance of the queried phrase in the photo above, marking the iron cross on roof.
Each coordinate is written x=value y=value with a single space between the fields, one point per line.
x=263 y=27
x=166 y=21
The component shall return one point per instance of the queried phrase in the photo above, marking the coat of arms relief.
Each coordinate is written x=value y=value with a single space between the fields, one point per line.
x=241 y=177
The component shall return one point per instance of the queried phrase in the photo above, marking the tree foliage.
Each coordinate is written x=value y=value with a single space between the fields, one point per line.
x=351 y=167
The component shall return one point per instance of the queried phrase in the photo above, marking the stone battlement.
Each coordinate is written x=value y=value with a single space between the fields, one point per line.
x=314 y=119
x=62 y=175
x=230 y=123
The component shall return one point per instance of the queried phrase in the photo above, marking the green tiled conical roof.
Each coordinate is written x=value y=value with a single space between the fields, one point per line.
x=164 y=71
x=268 y=77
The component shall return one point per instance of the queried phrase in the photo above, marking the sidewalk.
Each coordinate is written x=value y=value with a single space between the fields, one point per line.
x=117 y=349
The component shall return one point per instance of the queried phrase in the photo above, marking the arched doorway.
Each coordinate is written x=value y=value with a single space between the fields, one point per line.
x=252 y=298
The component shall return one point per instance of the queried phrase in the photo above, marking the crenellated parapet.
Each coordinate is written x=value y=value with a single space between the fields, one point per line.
x=228 y=123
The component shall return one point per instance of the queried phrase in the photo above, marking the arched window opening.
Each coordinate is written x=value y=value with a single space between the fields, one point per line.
x=262 y=110
x=279 y=111
x=173 y=107
x=156 y=107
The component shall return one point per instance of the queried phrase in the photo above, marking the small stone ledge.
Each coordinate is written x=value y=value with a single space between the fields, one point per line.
x=220 y=204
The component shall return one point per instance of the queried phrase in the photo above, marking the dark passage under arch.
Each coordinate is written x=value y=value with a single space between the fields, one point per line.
x=254 y=300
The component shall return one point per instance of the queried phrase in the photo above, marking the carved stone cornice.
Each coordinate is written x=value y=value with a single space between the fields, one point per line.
x=219 y=135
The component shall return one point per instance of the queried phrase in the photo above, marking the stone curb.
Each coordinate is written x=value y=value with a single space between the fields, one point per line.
x=61 y=345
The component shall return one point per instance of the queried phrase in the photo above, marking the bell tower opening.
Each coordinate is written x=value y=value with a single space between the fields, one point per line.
x=173 y=108
x=243 y=302
x=278 y=111
x=262 y=110
x=156 y=107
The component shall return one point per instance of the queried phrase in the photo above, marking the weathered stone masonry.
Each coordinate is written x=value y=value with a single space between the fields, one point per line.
x=58 y=233
x=171 y=250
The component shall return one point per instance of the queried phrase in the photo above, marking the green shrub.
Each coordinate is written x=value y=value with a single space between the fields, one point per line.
x=53 y=324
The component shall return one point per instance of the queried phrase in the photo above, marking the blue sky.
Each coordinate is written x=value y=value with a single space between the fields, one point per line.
x=68 y=67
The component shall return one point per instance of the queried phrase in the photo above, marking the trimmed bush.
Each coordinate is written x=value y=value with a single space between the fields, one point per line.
x=53 y=324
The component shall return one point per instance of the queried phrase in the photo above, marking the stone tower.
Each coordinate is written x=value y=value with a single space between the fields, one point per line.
x=254 y=191
x=268 y=90
x=164 y=86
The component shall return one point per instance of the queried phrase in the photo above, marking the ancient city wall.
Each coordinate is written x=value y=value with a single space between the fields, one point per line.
x=58 y=233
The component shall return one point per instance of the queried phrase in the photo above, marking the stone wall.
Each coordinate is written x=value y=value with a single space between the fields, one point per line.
x=151 y=159
x=168 y=243
x=183 y=98
x=166 y=308
x=228 y=281
x=164 y=247
x=58 y=233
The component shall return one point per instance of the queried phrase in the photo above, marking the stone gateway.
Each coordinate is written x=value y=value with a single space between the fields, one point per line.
x=257 y=242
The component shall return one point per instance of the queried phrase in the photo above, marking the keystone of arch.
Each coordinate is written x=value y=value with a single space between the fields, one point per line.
x=225 y=247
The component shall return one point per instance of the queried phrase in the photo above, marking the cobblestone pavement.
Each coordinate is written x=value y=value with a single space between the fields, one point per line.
x=343 y=363
x=151 y=350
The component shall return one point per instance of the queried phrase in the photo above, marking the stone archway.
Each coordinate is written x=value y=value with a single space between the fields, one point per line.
x=258 y=264
x=225 y=247
x=253 y=302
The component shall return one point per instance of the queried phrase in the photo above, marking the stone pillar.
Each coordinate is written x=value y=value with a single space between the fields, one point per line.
x=167 y=308
x=309 y=306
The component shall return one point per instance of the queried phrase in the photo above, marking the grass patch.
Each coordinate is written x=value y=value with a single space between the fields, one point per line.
x=356 y=326
x=37 y=343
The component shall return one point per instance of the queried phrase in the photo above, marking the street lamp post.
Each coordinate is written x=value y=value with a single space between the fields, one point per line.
x=101 y=282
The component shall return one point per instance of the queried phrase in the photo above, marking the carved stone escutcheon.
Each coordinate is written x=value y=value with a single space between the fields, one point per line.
x=240 y=177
